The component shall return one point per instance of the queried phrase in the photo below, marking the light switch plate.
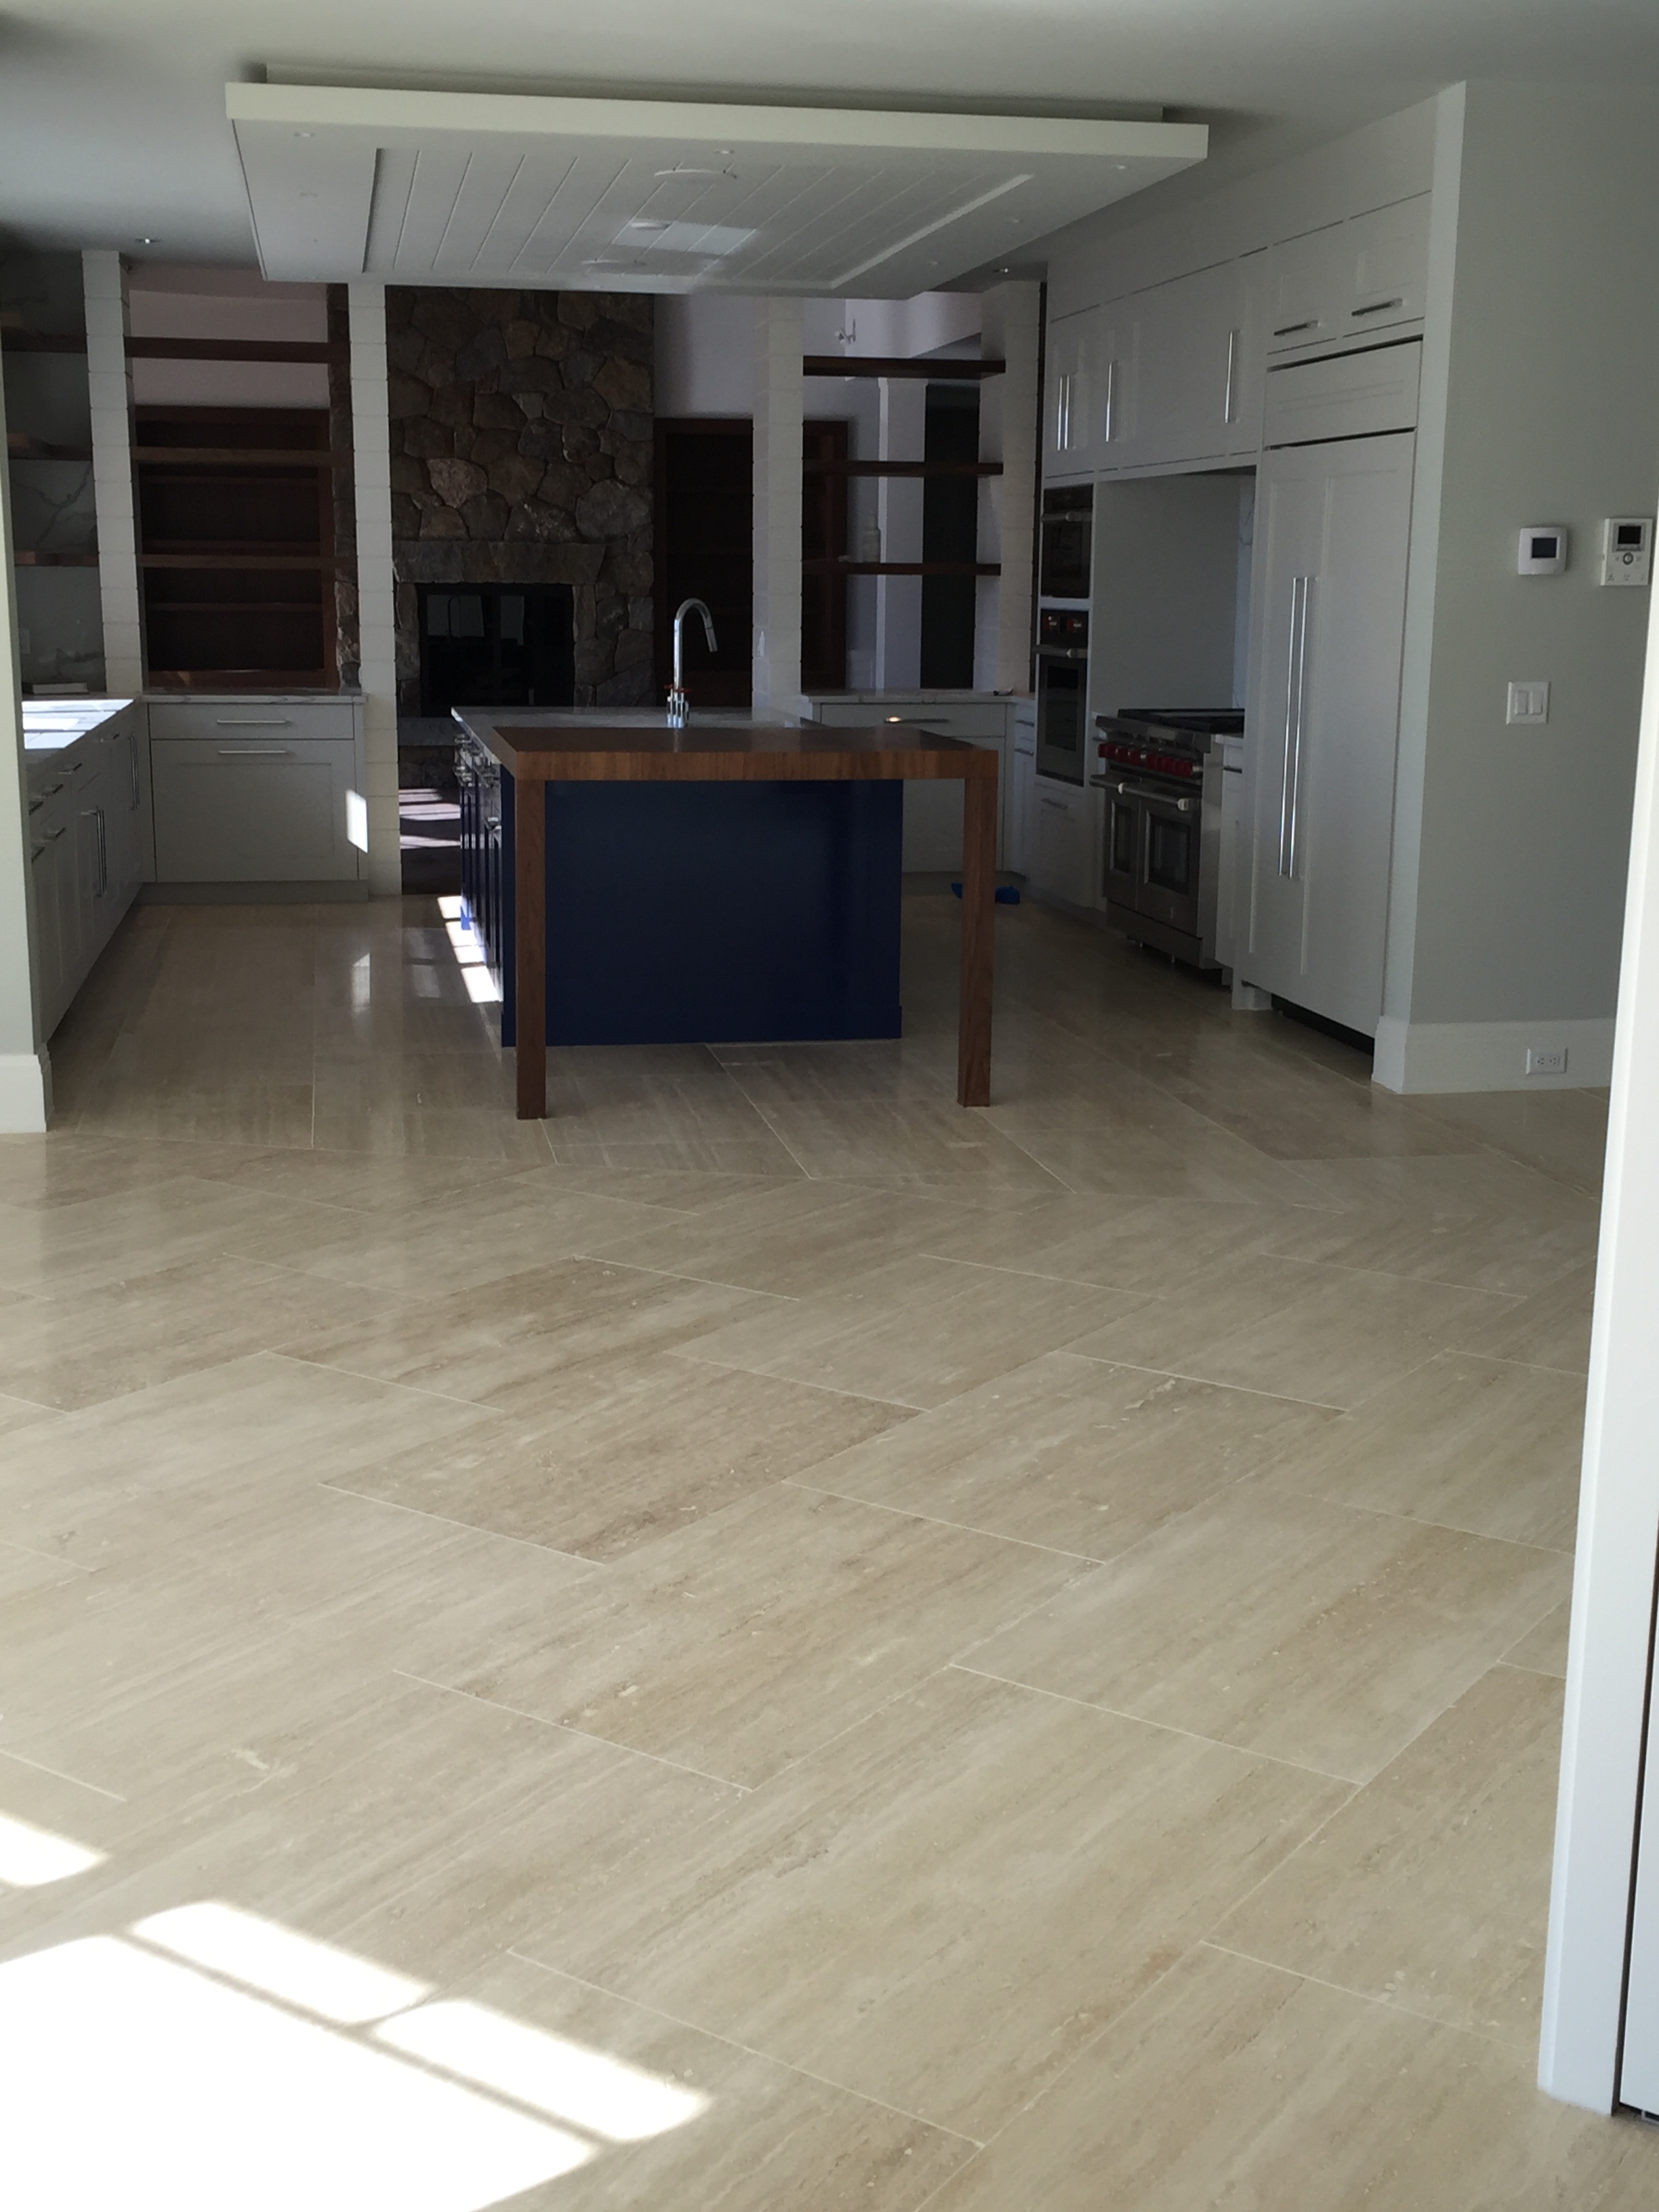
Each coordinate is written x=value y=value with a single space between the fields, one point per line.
x=1529 y=703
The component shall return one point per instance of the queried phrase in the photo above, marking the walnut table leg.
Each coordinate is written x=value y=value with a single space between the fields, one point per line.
x=979 y=864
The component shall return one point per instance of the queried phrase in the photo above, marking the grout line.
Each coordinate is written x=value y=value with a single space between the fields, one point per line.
x=467 y=1527
x=1366 y=1997
x=58 y=1775
x=750 y=2050
x=1167 y=1727
x=1208 y=1381
x=938 y=1521
x=357 y=1375
x=51 y=1559
x=688 y=1351
x=566 y=1728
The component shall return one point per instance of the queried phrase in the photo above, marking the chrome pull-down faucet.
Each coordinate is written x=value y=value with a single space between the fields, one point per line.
x=679 y=707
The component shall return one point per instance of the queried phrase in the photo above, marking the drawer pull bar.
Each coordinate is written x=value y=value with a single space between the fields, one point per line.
x=1377 y=307
x=253 y=722
x=254 y=752
x=1288 y=329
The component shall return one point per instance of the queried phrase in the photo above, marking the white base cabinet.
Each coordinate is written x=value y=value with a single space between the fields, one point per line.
x=1021 y=807
x=932 y=811
x=255 y=791
x=1065 y=847
x=86 y=806
x=1327 y=612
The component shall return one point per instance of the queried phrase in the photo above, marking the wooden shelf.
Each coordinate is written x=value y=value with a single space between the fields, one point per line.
x=27 y=558
x=19 y=337
x=899 y=365
x=901 y=567
x=230 y=349
x=902 y=468
x=207 y=560
x=235 y=606
x=263 y=456
x=19 y=447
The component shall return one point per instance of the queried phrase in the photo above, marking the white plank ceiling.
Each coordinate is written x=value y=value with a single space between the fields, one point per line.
x=663 y=195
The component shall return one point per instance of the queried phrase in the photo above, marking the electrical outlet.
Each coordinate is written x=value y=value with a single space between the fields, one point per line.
x=1529 y=703
x=1548 y=1062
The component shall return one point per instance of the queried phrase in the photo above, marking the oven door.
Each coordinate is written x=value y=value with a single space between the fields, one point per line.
x=1062 y=693
x=1171 y=848
x=1063 y=569
x=1126 y=838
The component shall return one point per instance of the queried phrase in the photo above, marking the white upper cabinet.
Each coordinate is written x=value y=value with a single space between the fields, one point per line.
x=1070 y=443
x=1198 y=363
x=1349 y=278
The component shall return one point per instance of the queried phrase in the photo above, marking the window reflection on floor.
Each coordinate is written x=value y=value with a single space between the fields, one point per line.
x=208 y=2058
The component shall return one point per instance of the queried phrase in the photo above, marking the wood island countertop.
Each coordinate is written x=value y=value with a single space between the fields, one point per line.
x=581 y=752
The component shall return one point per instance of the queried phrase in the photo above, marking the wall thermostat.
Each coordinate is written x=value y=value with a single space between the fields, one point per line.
x=1628 y=549
x=1543 y=550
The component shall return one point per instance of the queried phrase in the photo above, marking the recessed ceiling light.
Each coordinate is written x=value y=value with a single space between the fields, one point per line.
x=143 y=241
x=645 y=222
x=302 y=134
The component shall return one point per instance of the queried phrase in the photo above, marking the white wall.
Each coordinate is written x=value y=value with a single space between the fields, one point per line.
x=705 y=345
x=25 y=1083
x=1540 y=405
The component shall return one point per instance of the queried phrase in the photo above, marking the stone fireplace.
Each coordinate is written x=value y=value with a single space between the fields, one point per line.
x=521 y=453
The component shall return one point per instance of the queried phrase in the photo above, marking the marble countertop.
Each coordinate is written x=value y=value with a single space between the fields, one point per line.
x=49 y=724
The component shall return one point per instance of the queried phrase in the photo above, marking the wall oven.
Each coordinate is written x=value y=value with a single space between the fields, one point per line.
x=1062 y=693
x=1066 y=536
x=1161 y=769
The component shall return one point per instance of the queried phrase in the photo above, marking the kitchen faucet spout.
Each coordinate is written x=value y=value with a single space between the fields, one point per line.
x=679 y=707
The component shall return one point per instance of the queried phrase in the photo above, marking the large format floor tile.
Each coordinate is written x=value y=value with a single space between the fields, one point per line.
x=916 y=1331
x=1235 y=2083
x=1430 y=1889
x=944 y=1905
x=1313 y=1632
x=1066 y=1452
x=742 y=1641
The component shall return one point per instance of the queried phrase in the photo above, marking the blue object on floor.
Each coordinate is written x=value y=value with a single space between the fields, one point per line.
x=1005 y=894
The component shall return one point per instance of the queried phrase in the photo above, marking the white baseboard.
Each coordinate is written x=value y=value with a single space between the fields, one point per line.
x=25 y=1093
x=1421 y=1056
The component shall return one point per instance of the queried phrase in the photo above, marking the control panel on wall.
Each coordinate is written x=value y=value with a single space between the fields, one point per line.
x=1542 y=550
x=1628 y=549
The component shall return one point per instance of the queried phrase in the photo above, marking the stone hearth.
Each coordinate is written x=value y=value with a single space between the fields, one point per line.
x=521 y=453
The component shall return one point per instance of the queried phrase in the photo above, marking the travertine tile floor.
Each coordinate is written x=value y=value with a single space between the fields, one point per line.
x=1017 y=1655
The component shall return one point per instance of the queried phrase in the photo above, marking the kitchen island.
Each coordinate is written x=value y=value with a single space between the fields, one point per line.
x=730 y=882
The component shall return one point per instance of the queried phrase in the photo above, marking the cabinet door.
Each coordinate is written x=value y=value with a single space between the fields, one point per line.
x=1332 y=525
x=1388 y=264
x=933 y=812
x=1308 y=288
x=251 y=813
x=1063 y=858
x=1075 y=354
x=1187 y=366
x=1248 y=353
x=1022 y=806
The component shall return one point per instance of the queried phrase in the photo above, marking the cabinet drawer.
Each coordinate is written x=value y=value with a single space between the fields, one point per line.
x=1349 y=395
x=229 y=721
x=251 y=808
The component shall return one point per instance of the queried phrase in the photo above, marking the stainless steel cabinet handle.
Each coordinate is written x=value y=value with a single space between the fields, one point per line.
x=255 y=752
x=1063 y=411
x=1288 y=330
x=52 y=835
x=253 y=722
x=1376 y=307
x=1295 y=685
x=1111 y=401
x=132 y=760
x=1058 y=804
x=1232 y=371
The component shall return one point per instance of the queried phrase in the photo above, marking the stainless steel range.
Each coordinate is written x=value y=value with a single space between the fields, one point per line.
x=1162 y=769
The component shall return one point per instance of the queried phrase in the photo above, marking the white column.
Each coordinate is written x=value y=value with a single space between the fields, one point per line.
x=1612 y=1598
x=778 y=402
x=899 y=505
x=25 y=1071
x=109 y=388
x=371 y=443
x=1009 y=406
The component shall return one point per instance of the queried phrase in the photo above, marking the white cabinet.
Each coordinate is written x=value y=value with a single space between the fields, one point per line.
x=1021 y=803
x=1328 y=596
x=254 y=790
x=1189 y=366
x=1064 y=848
x=243 y=812
x=932 y=811
x=1370 y=273
x=86 y=849
x=1072 y=431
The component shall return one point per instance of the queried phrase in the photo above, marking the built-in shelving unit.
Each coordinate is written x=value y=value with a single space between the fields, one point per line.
x=235 y=510
x=43 y=342
x=928 y=368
